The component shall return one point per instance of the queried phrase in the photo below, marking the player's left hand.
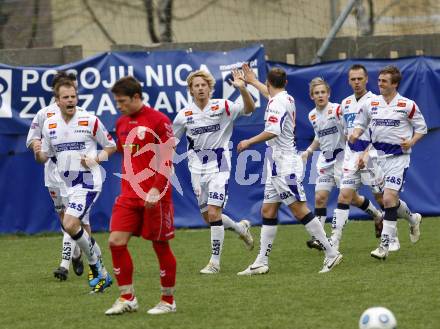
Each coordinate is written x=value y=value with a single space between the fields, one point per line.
x=238 y=79
x=152 y=198
x=243 y=145
x=406 y=144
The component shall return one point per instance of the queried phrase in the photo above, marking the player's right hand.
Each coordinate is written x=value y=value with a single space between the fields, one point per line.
x=248 y=74
x=243 y=145
x=36 y=146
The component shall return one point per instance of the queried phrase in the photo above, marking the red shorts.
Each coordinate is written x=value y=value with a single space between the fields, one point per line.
x=155 y=224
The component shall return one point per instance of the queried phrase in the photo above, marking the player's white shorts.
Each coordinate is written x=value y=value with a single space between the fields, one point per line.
x=79 y=204
x=286 y=189
x=371 y=177
x=394 y=169
x=210 y=189
x=59 y=201
x=352 y=177
x=329 y=177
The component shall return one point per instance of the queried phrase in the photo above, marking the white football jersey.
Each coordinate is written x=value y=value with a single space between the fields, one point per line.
x=67 y=142
x=51 y=176
x=208 y=132
x=280 y=120
x=350 y=107
x=329 y=131
x=390 y=123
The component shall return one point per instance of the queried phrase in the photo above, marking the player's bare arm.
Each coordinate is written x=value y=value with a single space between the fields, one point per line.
x=357 y=132
x=251 y=78
x=239 y=83
x=40 y=156
x=262 y=137
x=363 y=159
x=103 y=155
x=312 y=148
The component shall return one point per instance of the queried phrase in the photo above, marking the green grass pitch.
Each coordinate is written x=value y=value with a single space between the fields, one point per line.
x=291 y=295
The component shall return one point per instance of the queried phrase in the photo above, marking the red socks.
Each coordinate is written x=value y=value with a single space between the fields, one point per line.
x=167 y=264
x=123 y=268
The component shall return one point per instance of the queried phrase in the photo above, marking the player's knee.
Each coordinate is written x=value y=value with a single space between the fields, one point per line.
x=214 y=214
x=299 y=209
x=320 y=200
x=71 y=227
x=115 y=240
x=268 y=212
x=379 y=198
x=390 y=201
x=345 y=196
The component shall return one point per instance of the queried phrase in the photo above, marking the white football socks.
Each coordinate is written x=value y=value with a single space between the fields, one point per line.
x=322 y=219
x=217 y=238
x=316 y=230
x=67 y=250
x=388 y=231
x=404 y=212
x=340 y=218
x=267 y=237
x=85 y=243
x=229 y=223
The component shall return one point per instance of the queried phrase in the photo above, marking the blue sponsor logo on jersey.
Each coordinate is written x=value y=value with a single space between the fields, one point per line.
x=206 y=129
x=349 y=119
x=328 y=131
x=73 y=146
x=386 y=122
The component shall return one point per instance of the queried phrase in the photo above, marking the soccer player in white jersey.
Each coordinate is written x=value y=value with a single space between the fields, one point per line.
x=71 y=136
x=396 y=124
x=353 y=175
x=327 y=121
x=70 y=252
x=208 y=125
x=284 y=181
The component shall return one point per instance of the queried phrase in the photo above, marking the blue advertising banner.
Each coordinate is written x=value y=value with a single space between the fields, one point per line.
x=25 y=90
x=26 y=206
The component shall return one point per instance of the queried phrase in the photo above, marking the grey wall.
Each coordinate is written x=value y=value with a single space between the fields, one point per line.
x=299 y=51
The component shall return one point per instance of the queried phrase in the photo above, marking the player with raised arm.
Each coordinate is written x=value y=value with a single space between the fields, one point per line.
x=208 y=124
x=70 y=252
x=145 y=205
x=327 y=121
x=284 y=181
x=71 y=137
x=396 y=124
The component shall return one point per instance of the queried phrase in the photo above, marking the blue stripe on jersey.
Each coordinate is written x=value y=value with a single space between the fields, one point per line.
x=388 y=148
x=53 y=159
x=274 y=168
x=331 y=155
x=359 y=146
x=72 y=146
x=281 y=121
x=90 y=197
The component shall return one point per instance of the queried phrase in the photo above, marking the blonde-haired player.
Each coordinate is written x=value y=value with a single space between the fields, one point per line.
x=207 y=124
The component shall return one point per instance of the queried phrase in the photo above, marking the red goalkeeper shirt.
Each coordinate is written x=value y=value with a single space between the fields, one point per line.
x=145 y=138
